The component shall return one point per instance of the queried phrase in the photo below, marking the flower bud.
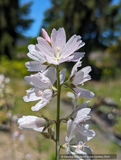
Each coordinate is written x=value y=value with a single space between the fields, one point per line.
x=31 y=122
x=45 y=35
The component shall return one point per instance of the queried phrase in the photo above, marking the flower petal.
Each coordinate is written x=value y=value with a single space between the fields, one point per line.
x=71 y=46
x=47 y=95
x=31 y=95
x=62 y=75
x=35 y=66
x=78 y=137
x=86 y=70
x=35 y=54
x=44 y=47
x=88 y=150
x=70 y=129
x=31 y=122
x=38 y=80
x=82 y=75
x=75 y=156
x=58 y=38
x=84 y=131
x=87 y=127
x=81 y=44
x=74 y=69
x=51 y=74
x=78 y=78
x=81 y=115
x=83 y=105
x=40 y=129
x=39 y=105
x=77 y=56
x=79 y=151
x=75 y=101
x=84 y=93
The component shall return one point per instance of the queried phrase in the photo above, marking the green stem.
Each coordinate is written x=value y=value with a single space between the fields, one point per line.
x=58 y=115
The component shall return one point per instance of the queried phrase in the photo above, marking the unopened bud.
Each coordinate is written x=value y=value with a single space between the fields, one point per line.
x=31 y=122
x=45 y=35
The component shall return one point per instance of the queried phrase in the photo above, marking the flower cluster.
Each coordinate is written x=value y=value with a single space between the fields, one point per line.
x=46 y=57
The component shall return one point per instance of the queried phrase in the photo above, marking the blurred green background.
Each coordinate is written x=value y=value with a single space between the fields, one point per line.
x=99 y=24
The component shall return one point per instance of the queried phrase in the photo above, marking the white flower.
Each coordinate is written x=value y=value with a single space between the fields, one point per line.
x=79 y=77
x=76 y=142
x=35 y=123
x=78 y=132
x=57 y=50
x=42 y=88
x=53 y=50
x=31 y=122
x=79 y=116
x=78 y=150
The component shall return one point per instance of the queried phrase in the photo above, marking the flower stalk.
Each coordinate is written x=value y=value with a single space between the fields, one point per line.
x=48 y=54
x=58 y=115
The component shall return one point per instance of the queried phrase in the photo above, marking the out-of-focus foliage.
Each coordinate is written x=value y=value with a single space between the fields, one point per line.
x=6 y=99
x=107 y=64
x=117 y=127
x=115 y=52
x=13 y=20
x=13 y=68
x=3 y=117
x=109 y=61
x=97 y=21
x=22 y=50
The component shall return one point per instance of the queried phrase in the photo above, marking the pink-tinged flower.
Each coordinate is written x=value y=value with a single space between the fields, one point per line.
x=57 y=50
x=38 y=57
x=78 y=148
x=42 y=88
x=31 y=122
x=78 y=133
x=80 y=117
x=76 y=141
x=35 y=123
x=15 y=134
x=77 y=125
x=79 y=77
